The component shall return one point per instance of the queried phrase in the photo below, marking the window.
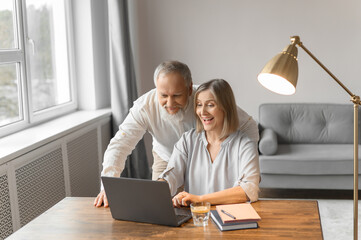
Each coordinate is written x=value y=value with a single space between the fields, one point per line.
x=35 y=69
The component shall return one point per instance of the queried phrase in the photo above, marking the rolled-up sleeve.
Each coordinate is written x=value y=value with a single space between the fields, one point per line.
x=174 y=174
x=123 y=143
x=249 y=173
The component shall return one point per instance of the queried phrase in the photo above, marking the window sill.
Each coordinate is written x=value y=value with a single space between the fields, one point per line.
x=24 y=141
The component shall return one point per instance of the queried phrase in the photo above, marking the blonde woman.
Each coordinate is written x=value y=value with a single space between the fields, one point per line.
x=215 y=162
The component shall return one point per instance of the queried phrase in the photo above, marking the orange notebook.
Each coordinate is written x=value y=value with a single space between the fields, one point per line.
x=242 y=212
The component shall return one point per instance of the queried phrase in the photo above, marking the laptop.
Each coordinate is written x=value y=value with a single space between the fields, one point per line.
x=143 y=200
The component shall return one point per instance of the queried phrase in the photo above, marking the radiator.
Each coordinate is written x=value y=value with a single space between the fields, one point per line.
x=37 y=180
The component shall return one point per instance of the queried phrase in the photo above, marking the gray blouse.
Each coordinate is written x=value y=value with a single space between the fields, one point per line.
x=235 y=165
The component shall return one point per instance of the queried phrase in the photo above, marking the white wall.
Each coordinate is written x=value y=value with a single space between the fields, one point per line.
x=233 y=39
x=91 y=52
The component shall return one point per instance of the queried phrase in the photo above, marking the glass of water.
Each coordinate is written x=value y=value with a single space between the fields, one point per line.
x=200 y=213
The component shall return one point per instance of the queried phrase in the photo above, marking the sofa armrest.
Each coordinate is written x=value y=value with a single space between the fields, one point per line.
x=268 y=143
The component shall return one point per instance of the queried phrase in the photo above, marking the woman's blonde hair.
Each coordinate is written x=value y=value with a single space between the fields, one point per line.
x=224 y=98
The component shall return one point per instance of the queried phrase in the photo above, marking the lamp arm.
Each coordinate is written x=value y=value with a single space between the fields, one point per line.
x=324 y=68
x=356 y=100
x=295 y=40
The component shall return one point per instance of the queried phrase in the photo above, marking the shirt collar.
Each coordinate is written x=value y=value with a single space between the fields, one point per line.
x=203 y=138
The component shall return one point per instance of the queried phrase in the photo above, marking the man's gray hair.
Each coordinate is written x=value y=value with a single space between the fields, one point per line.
x=173 y=66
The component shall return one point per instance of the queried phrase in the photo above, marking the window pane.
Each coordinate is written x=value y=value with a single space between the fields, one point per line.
x=48 y=57
x=9 y=94
x=7 y=24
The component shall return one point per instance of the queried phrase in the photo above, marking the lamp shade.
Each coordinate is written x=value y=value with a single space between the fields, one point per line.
x=281 y=72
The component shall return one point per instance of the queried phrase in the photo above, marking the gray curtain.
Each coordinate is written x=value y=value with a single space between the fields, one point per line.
x=123 y=83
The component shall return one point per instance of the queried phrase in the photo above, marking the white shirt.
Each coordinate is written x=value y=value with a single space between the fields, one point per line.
x=236 y=164
x=147 y=115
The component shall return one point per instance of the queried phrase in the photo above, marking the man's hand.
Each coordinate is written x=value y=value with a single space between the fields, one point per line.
x=100 y=199
x=185 y=199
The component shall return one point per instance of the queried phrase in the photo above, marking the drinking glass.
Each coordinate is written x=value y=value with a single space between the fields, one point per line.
x=200 y=213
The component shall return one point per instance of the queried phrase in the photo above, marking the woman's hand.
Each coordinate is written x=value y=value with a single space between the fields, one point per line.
x=185 y=199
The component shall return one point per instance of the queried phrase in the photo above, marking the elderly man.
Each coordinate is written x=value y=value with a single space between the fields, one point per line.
x=166 y=112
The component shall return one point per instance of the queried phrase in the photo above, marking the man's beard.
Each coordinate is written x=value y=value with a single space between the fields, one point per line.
x=178 y=116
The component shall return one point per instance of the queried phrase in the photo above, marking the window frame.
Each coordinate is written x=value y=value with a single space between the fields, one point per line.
x=20 y=56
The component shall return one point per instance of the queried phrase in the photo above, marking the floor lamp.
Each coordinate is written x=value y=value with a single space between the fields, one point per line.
x=280 y=75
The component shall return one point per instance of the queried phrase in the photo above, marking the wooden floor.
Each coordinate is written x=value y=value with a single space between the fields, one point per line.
x=306 y=193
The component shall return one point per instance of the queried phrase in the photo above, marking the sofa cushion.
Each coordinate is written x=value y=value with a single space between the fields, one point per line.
x=268 y=142
x=309 y=159
x=309 y=123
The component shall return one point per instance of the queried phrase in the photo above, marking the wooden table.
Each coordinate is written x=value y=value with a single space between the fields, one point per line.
x=77 y=218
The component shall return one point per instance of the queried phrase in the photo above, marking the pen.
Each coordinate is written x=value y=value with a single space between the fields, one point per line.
x=228 y=214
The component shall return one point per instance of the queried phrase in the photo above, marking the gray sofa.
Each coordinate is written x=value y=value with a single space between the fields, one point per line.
x=306 y=146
